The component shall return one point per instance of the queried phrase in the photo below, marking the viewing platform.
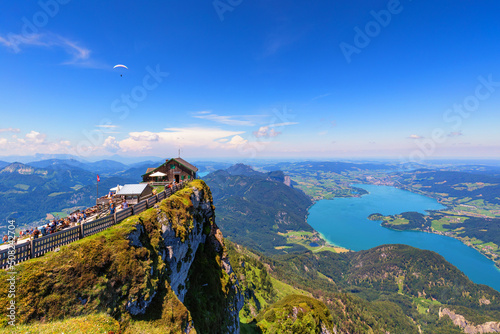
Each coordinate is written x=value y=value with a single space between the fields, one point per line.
x=31 y=247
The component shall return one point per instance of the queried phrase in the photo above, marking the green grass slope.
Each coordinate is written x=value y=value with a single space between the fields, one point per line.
x=102 y=273
x=391 y=288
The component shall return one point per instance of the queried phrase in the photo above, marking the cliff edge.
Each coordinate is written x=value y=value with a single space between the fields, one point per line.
x=164 y=270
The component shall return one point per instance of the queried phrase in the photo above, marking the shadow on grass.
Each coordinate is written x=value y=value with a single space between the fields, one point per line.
x=250 y=328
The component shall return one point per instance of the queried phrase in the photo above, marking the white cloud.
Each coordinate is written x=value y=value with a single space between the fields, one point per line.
x=227 y=120
x=35 y=137
x=14 y=41
x=283 y=124
x=193 y=138
x=78 y=55
x=266 y=132
x=111 y=144
x=415 y=137
x=144 y=136
x=10 y=130
x=34 y=142
x=107 y=126
x=237 y=141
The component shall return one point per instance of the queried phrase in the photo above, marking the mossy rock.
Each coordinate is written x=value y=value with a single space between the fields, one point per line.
x=296 y=314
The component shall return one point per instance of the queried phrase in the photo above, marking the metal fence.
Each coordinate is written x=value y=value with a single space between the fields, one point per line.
x=38 y=247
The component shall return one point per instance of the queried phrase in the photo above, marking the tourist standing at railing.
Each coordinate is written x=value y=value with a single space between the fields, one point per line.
x=64 y=224
x=36 y=233
x=43 y=231
x=112 y=208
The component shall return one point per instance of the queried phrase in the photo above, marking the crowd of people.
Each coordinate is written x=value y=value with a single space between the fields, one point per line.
x=57 y=224
x=74 y=219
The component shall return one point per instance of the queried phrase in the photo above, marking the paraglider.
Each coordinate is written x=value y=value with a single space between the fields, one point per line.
x=120 y=65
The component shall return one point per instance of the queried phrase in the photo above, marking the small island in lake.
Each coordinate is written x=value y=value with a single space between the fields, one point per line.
x=478 y=233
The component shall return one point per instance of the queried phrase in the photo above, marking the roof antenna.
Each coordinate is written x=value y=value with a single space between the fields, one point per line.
x=179 y=152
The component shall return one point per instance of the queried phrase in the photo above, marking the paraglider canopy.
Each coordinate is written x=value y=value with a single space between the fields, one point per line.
x=119 y=66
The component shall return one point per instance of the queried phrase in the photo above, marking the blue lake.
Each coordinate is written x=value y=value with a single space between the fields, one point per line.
x=344 y=222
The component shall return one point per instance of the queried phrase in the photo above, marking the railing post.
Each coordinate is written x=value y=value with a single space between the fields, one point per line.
x=31 y=248
x=114 y=219
x=81 y=231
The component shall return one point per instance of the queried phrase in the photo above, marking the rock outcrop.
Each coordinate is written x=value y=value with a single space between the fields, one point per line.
x=143 y=272
x=180 y=253
x=182 y=235
x=466 y=326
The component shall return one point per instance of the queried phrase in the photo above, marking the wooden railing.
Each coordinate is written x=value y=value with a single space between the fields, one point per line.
x=50 y=242
x=159 y=183
x=38 y=247
x=97 y=225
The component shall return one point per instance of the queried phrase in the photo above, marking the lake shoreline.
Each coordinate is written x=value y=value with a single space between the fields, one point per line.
x=345 y=223
x=447 y=207
x=497 y=263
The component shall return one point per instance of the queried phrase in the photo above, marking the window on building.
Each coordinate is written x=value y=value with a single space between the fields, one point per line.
x=189 y=177
x=172 y=166
x=182 y=177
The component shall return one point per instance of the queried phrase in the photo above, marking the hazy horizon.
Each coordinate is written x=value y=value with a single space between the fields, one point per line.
x=234 y=160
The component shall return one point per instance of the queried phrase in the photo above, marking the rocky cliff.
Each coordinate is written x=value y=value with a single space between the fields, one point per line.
x=151 y=273
x=467 y=326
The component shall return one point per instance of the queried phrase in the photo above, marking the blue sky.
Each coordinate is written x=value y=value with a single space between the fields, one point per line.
x=252 y=79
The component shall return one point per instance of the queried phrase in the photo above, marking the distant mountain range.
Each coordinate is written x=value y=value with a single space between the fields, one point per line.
x=29 y=192
x=253 y=207
x=101 y=166
x=39 y=157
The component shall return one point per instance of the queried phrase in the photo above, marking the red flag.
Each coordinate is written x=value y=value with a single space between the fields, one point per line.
x=98 y=179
